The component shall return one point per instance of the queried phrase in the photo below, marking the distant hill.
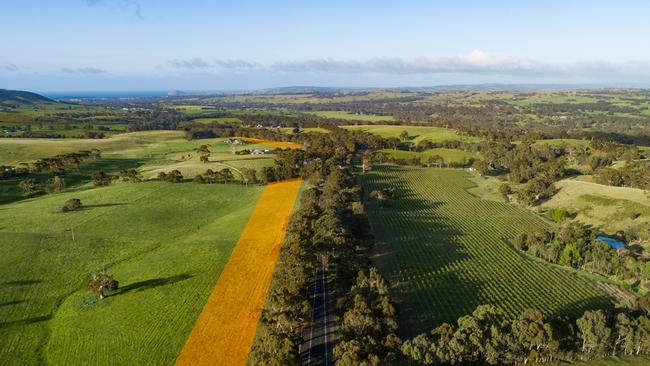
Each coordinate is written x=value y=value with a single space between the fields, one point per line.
x=19 y=97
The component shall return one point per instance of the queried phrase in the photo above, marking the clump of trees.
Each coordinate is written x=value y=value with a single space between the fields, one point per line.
x=369 y=324
x=58 y=163
x=538 y=167
x=130 y=175
x=174 y=176
x=54 y=184
x=101 y=179
x=100 y=283
x=72 y=204
x=211 y=177
x=28 y=186
x=634 y=174
x=486 y=336
x=204 y=153
x=575 y=245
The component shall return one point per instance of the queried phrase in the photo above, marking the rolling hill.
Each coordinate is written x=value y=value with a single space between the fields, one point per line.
x=19 y=97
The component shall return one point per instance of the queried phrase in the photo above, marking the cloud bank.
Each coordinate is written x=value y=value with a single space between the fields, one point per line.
x=476 y=62
x=83 y=70
x=202 y=64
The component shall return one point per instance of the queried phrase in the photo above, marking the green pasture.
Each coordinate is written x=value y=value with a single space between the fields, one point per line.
x=416 y=133
x=166 y=243
x=353 y=116
x=149 y=152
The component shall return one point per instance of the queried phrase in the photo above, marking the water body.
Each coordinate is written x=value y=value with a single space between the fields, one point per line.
x=616 y=244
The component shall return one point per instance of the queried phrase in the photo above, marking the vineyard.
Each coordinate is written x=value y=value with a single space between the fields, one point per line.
x=445 y=251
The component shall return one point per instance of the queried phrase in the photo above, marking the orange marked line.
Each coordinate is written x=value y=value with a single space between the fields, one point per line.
x=224 y=332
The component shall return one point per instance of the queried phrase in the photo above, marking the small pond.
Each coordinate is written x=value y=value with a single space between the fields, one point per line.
x=616 y=244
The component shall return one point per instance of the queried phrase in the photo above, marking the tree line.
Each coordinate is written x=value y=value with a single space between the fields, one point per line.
x=487 y=337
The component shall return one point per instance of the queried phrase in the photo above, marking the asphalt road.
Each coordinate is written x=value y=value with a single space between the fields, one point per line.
x=320 y=337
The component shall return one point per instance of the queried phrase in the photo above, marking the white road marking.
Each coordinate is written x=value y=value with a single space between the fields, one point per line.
x=311 y=329
x=325 y=310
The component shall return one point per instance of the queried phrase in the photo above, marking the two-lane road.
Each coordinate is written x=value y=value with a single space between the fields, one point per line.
x=320 y=337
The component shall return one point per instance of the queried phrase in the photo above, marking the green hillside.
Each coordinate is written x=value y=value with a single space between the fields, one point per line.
x=166 y=244
x=19 y=97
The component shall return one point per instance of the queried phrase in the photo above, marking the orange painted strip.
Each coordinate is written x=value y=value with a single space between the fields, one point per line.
x=224 y=332
x=278 y=144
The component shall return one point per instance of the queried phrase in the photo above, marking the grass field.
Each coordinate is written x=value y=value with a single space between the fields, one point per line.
x=165 y=243
x=16 y=150
x=224 y=332
x=450 y=155
x=416 y=133
x=218 y=120
x=149 y=152
x=609 y=208
x=306 y=98
x=445 y=251
x=273 y=144
x=354 y=117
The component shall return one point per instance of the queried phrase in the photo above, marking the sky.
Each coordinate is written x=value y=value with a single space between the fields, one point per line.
x=110 y=45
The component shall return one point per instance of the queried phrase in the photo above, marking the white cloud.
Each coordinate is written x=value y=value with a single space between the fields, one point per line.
x=199 y=63
x=8 y=67
x=476 y=62
x=83 y=70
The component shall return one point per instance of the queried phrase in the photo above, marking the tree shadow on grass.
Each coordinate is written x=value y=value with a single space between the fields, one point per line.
x=154 y=282
x=27 y=321
x=20 y=282
x=102 y=205
x=9 y=303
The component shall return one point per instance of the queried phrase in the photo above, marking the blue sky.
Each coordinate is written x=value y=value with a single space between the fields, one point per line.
x=74 y=45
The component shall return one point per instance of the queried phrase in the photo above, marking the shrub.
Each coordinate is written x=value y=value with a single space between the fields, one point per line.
x=558 y=214
x=55 y=184
x=72 y=204
x=100 y=282
x=174 y=176
x=100 y=179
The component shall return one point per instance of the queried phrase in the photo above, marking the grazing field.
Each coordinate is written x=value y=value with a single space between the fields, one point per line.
x=274 y=144
x=416 y=133
x=307 y=98
x=445 y=251
x=166 y=244
x=148 y=152
x=609 y=208
x=450 y=155
x=353 y=116
x=18 y=150
x=223 y=120
x=225 y=329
